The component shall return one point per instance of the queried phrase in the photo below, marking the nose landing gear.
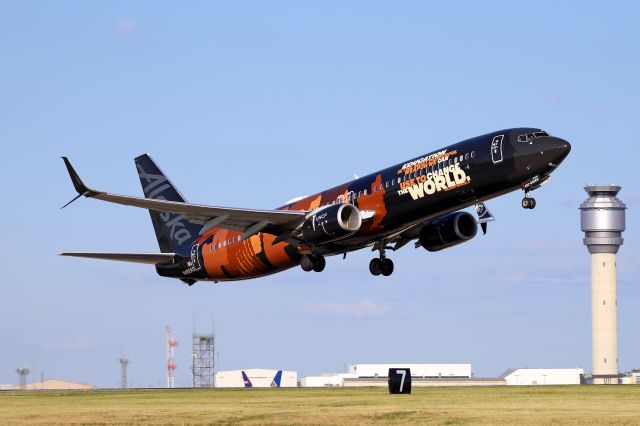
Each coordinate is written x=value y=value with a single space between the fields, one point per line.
x=382 y=265
x=531 y=185
x=528 y=202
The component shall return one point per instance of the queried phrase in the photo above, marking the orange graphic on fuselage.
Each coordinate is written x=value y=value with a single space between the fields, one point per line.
x=226 y=256
x=374 y=200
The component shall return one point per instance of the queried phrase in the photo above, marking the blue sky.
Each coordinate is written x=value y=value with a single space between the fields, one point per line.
x=248 y=104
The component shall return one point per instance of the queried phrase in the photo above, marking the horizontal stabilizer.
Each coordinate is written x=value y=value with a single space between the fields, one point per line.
x=150 y=258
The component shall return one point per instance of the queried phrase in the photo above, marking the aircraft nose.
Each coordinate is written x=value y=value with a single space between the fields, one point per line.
x=558 y=148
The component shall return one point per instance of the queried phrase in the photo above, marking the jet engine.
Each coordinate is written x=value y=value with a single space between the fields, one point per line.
x=331 y=223
x=448 y=230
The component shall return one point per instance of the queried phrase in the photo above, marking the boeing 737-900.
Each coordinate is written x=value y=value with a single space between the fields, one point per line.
x=420 y=201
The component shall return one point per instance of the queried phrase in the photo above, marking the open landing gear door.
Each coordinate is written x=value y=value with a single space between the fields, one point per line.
x=484 y=216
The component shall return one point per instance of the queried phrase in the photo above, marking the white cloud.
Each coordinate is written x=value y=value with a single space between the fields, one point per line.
x=363 y=308
x=124 y=27
x=74 y=343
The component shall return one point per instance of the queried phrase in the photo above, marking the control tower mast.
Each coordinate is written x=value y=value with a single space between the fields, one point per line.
x=602 y=219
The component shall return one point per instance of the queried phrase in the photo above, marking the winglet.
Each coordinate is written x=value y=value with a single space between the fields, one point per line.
x=80 y=187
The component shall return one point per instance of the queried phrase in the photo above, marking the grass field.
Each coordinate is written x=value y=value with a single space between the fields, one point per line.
x=448 y=406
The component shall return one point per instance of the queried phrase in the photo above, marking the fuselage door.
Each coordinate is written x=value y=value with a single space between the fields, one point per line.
x=496 y=149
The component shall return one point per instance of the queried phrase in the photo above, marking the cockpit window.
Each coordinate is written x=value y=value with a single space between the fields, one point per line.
x=528 y=137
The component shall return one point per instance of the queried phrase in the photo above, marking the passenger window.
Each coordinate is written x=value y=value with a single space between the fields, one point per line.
x=466 y=156
x=386 y=184
x=393 y=181
x=473 y=154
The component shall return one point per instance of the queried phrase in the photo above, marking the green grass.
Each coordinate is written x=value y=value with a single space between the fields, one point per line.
x=445 y=406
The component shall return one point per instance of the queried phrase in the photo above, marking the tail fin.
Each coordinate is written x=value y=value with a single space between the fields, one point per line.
x=247 y=382
x=276 y=380
x=172 y=230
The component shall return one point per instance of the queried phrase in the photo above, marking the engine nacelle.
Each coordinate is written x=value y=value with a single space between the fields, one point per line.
x=448 y=230
x=331 y=223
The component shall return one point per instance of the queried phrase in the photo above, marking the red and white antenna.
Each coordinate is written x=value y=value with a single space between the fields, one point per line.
x=171 y=363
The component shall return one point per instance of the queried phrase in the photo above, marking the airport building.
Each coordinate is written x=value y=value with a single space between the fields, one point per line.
x=376 y=375
x=257 y=378
x=326 y=380
x=543 y=376
x=417 y=370
x=48 y=384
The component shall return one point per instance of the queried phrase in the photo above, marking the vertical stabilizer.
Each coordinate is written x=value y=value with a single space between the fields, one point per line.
x=247 y=382
x=275 y=383
x=172 y=230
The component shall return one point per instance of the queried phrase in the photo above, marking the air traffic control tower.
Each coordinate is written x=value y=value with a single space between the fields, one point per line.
x=602 y=219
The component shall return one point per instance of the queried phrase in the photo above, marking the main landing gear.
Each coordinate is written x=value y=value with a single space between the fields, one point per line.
x=382 y=265
x=528 y=202
x=312 y=262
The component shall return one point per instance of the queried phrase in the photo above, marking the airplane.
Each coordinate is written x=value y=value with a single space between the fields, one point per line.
x=420 y=200
x=245 y=379
x=275 y=383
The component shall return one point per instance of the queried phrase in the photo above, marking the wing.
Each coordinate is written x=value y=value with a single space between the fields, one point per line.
x=248 y=221
x=150 y=258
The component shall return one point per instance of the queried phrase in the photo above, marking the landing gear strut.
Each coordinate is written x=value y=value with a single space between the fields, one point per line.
x=312 y=262
x=381 y=265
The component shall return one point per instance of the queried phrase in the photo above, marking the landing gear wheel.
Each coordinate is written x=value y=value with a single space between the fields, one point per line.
x=306 y=263
x=532 y=203
x=318 y=263
x=526 y=202
x=375 y=266
x=387 y=267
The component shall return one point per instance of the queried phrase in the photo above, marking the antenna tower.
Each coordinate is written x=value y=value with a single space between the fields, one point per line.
x=23 y=372
x=171 y=364
x=203 y=360
x=124 y=362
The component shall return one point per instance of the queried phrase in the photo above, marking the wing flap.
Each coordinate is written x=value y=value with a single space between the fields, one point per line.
x=149 y=258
